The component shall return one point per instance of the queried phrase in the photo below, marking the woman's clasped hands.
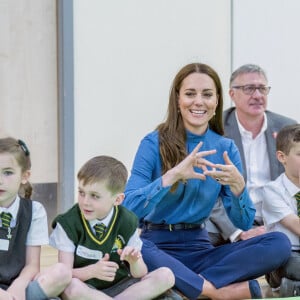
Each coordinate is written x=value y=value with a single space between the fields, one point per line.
x=226 y=174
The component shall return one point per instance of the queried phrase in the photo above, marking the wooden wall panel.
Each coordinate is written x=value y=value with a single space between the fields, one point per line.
x=28 y=81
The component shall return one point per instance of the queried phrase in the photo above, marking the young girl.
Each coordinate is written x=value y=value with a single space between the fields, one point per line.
x=23 y=229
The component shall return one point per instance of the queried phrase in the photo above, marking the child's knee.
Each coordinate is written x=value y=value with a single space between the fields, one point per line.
x=165 y=276
x=74 y=289
x=62 y=273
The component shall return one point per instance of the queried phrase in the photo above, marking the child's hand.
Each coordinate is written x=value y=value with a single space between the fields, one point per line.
x=130 y=254
x=105 y=269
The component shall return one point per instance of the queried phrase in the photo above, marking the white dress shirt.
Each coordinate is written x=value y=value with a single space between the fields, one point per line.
x=257 y=163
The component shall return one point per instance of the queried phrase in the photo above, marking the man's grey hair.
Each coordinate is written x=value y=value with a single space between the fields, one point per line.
x=244 y=69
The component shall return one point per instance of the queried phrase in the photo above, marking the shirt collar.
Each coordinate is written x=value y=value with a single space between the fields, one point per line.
x=244 y=131
x=105 y=221
x=290 y=186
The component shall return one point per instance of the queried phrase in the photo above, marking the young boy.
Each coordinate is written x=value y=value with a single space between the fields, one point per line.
x=106 y=261
x=281 y=211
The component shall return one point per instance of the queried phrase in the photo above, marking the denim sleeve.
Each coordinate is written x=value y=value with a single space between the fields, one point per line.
x=144 y=189
x=240 y=210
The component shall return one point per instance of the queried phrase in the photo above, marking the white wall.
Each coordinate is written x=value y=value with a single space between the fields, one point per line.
x=126 y=55
x=266 y=32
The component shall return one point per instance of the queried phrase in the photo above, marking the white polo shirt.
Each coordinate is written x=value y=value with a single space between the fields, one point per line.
x=279 y=202
x=38 y=230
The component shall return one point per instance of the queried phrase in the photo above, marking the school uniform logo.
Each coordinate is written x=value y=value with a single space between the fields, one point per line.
x=118 y=244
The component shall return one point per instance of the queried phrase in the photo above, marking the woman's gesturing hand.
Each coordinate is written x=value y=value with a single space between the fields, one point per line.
x=228 y=174
x=185 y=169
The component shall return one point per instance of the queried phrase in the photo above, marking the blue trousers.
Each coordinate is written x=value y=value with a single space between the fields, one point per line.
x=189 y=253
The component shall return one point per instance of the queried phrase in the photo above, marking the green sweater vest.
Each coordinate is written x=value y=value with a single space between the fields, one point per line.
x=89 y=249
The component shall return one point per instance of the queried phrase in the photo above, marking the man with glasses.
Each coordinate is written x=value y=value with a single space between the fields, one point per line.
x=254 y=130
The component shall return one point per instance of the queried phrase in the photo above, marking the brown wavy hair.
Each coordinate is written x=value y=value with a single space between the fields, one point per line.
x=172 y=133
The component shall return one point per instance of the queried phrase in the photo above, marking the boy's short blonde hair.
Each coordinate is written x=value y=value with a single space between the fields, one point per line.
x=104 y=168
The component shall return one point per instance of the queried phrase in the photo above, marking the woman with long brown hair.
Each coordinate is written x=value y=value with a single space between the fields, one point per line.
x=179 y=172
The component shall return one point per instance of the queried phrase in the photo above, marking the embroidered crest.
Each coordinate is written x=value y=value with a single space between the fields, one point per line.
x=118 y=244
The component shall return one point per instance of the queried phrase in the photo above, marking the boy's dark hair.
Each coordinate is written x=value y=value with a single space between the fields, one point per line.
x=286 y=138
x=104 y=168
x=21 y=153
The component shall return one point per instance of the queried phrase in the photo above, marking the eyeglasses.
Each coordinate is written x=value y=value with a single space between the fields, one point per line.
x=250 y=89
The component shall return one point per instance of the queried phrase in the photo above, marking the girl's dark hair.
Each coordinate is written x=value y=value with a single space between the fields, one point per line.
x=19 y=150
x=172 y=133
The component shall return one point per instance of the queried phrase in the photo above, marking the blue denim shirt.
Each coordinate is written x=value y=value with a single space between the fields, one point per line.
x=192 y=201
